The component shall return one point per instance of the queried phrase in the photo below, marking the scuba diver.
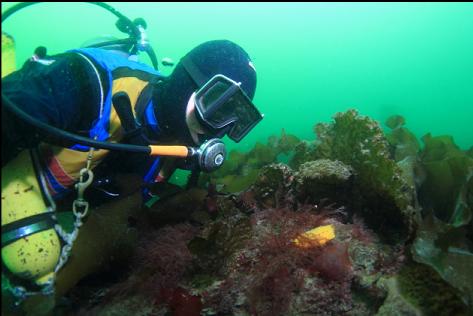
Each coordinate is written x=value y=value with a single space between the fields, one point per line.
x=109 y=97
x=100 y=94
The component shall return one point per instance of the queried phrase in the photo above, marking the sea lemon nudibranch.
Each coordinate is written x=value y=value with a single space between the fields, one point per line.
x=318 y=236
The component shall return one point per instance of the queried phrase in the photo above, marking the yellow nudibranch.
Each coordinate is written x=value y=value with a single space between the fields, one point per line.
x=318 y=236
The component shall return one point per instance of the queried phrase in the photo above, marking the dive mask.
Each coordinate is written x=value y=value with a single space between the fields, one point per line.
x=222 y=105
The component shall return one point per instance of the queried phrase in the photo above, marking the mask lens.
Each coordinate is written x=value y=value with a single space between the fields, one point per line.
x=212 y=102
x=247 y=116
x=212 y=94
x=221 y=102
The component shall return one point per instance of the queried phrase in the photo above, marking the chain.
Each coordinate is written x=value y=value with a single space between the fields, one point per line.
x=80 y=208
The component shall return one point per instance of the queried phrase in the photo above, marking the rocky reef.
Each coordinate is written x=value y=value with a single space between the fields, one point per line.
x=357 y=221
x=400 y=214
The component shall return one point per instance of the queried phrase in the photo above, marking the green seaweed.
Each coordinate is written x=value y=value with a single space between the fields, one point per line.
x=304 y=151
x=403 y=142
x=359 y=142
x=446 y=249
x=237 y=183
x=286 y=142
x=395 y=121
x=448 y=173
x=262 y=154
x=469 y=152
x=423 y=288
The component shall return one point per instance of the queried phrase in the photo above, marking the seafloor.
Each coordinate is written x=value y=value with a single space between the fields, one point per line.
x=400 y=209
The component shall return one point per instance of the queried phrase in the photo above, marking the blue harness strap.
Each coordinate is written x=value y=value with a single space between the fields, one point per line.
x=109 y=61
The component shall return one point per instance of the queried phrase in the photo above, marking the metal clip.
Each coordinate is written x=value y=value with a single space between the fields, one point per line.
x=80 y=202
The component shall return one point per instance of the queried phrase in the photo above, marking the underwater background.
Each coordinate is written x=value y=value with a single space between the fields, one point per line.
x=367 y=105
x=312 y=59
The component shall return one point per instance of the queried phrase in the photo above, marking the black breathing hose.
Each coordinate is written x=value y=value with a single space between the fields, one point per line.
x=54 y=131
x=129 y=26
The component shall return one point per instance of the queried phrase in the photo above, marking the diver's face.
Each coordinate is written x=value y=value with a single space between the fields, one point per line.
x=193 y=124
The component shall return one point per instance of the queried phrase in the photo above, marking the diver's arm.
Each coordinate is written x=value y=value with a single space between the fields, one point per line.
x=61 y=92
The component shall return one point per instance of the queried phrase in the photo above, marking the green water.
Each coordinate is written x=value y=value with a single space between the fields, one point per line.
x=312 y=59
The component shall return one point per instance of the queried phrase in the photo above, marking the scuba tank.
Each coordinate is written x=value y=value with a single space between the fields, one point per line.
x=30 y=244
x=8 y=54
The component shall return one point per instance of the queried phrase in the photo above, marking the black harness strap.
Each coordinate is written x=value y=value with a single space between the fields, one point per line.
x=121 y=103
x=143 y=100
x=199 y=78
x=133 y=130
x=27 y=226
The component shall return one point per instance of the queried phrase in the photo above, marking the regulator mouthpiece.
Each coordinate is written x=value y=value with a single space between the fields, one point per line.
x=211 y=155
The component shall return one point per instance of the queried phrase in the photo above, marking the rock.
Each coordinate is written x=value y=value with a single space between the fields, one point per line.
x=324 y=179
